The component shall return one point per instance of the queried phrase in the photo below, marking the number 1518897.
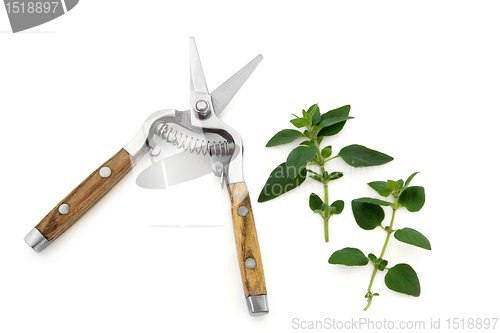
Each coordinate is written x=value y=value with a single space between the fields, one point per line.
x=471 y=323
x=17 y=7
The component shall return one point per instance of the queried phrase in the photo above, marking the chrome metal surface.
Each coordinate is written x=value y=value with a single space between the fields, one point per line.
x=218 y=168
x=192 y=144
x=64 y=209
x=226 y=91
x=105 y=172
x=242 y=210
x=257 y=305
x=250 y=263
x=199 y=90
x=36 y=240
x=142 y=142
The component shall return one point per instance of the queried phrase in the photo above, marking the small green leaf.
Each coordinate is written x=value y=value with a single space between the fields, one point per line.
x=314 y=112
x=403 y=279
x=381 y=188
x=372 y=257
x=413 y=198
x=360 y=156
x=318 y=178
x=335 y=175
x=336 y=113
x=373 y=201
x=382 y=264
x=279 y=183
x=393 y=186
x=408 y=181
x=306 y=115
x=400 y=183
x=367 y=215
x=283 y=137
x=298 y=159
x=412 y=237
x=299 y=122
x=315 y=203
x=307 y=143
x=338 y=207
x=326 y=152
x=348 y=256
x=332 y=120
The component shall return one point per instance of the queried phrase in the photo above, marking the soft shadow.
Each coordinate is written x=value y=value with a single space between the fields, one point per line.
x=186 y=226
x=27 y=32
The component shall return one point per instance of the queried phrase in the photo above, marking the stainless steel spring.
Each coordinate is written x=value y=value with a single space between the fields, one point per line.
x=189 y=143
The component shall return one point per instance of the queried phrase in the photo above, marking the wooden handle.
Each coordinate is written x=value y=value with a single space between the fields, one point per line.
x=84 y=196
x=247 y=244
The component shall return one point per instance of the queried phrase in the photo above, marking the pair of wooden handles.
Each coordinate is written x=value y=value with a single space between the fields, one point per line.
x=95 y=186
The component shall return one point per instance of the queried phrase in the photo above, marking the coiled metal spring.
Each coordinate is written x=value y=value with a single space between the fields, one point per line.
x=189 y=143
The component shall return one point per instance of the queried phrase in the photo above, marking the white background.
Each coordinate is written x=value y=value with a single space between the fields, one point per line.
x=422 y=79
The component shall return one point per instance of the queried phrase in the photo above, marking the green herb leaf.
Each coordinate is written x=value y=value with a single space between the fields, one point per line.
x=372 y=257
x=393 y=186
x=336 y=113
x=307 y=143
x=315 y=114
x=360 y=156
x=279 y=183
x=408 y=181
x=413 y=198
x=412 y=237
x=306 y=115
x=338 y=207
x=298 y=159
x=335 y=175
x=315 y=203
x=382 y=264
x=381 y=188
x=283 y=137
x=299 y=122
x=348 y=256
x=400 y=183
x=332 y=120
x=367 y=215
x=403 y=279
x=373 y=201
x=326 y=152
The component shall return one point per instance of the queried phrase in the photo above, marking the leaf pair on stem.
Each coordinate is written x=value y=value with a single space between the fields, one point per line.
x=369 y=214
x=314 y=127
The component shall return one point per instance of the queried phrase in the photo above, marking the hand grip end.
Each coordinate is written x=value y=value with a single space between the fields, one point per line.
x=257 y=305
x=36 y=240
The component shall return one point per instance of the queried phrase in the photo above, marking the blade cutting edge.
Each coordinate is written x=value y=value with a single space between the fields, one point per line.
x=226 y=91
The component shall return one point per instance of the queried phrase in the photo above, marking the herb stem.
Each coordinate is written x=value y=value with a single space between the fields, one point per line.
x=375 y=268
x=321 y=163
x=327 y=214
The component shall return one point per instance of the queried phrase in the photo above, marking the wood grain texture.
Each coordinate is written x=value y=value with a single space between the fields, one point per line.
x=247 y=244
x=84 y=196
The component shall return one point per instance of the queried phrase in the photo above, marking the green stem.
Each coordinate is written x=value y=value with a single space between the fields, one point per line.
x=375 y=268
x=327 y=214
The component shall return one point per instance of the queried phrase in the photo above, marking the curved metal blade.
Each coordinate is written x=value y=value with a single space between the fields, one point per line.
x=226 y=91
x=198 y=83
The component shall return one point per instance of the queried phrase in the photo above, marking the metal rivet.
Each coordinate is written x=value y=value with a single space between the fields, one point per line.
x=201 y=106
x=63 y=209
x=243 y=210
x=105 y=172
x=218 y=167
x=250 y=263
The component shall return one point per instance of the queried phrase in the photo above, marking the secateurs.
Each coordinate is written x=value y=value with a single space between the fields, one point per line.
x=225 y=153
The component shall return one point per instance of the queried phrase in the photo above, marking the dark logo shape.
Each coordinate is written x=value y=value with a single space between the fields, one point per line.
x=31 y=13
